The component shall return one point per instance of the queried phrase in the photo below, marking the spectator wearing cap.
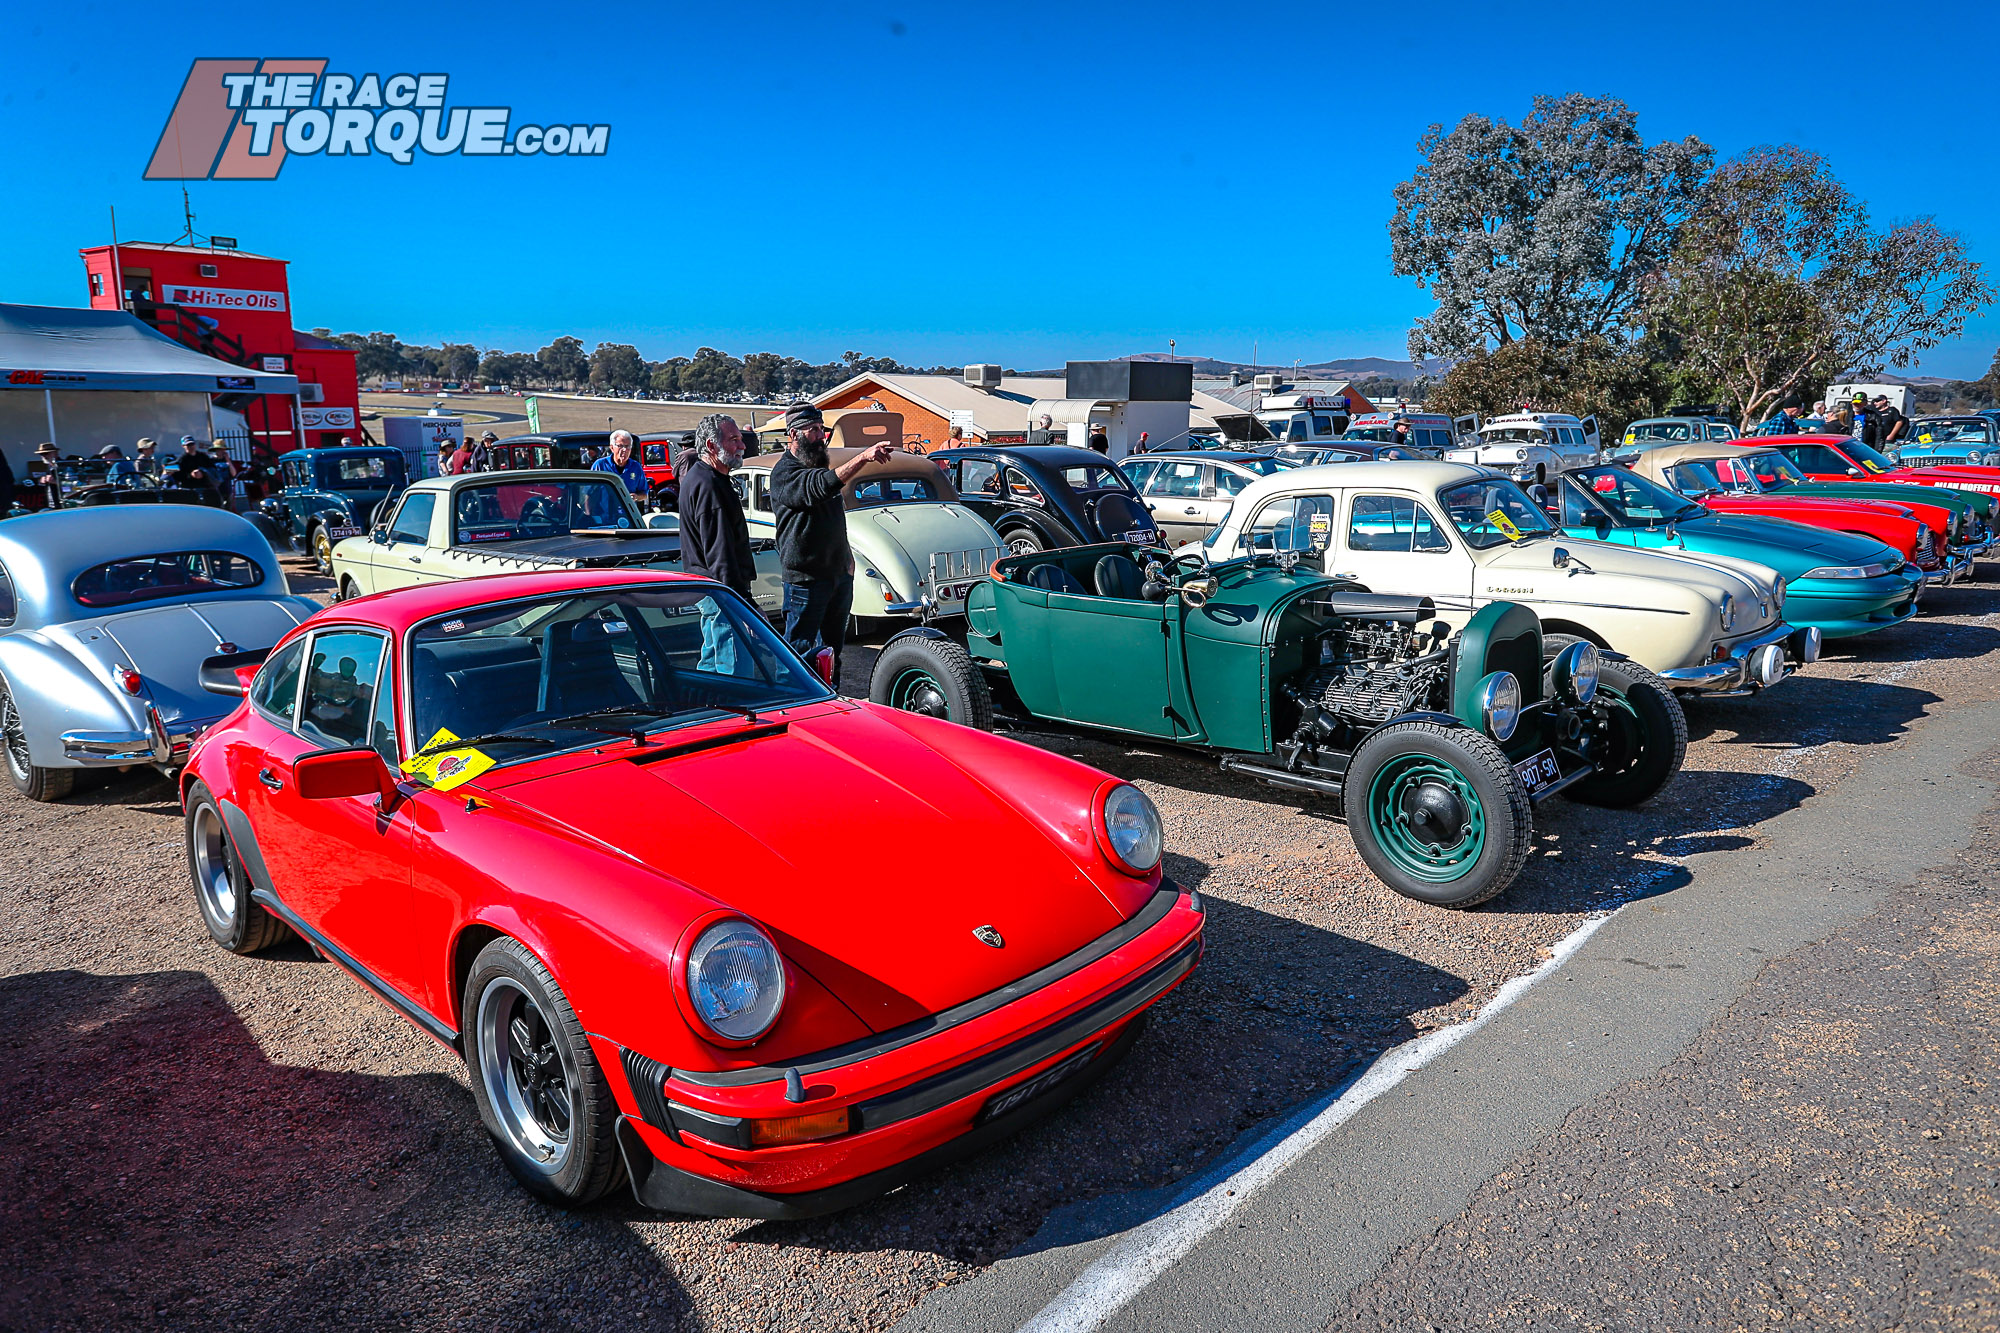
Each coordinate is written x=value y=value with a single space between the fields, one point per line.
x=808 y=500
x=117 y=468
x=143 y=461
x=197 y=472
x=622 y=460
x=1863 y=428
x=1890 y=425
x=482 y=453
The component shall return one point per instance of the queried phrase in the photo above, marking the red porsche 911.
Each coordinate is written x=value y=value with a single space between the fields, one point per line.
x=691 y=918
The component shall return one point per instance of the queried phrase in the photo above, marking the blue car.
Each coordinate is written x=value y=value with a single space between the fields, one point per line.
x=325 y=495
x=1932 y=441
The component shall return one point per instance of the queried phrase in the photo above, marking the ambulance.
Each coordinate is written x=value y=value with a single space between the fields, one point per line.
x=1430 y=433
x=1534 y=446
x=1305 y=418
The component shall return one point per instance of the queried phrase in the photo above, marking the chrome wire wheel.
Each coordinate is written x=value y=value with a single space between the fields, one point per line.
x=322 y=550
x=529 y=1078
x=213 y=877
x=14 y=736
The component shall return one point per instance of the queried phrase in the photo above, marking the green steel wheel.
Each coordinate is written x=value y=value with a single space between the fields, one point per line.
x=919 y=673
x=1437 y=813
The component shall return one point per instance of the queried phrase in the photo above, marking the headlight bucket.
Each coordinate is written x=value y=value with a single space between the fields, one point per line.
x=1128 y=827
x=1767 y=664
x=729 y=978
x=1575 y=673
x=1500 y=704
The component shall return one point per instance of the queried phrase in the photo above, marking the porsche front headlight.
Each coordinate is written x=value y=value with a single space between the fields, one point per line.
x=1132 y=831
x=736 y=980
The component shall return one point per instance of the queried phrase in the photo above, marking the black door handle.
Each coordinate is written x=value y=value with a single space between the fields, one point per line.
x=270 y=779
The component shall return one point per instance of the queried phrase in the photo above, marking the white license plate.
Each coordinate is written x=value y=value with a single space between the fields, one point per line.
x=1142 y=536
x=338 y=533
x=1537 y=771
x=954 y=592
x=1021 y=1093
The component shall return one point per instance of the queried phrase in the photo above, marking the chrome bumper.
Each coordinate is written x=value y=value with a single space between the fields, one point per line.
x=155 y=745
x=1958 y=567
x=1739 y=672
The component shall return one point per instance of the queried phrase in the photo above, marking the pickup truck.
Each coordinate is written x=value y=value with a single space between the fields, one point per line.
x=508 y=522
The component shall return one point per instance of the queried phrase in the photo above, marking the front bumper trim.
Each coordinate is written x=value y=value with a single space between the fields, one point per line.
x=1732 y=673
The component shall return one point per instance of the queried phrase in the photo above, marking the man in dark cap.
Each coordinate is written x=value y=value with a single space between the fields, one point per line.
x=808 y=503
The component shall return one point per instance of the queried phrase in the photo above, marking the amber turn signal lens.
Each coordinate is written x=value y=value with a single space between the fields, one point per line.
x=798 y=1128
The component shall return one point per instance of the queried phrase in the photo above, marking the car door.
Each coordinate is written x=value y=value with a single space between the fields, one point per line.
x=1394 y=543
x=1820 y=462
x=339 y=864
x=1175 y=495
x=1119 y=649
x=395 y=552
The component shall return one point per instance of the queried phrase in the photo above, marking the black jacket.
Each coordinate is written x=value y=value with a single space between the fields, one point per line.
x=715 y=539
x=811 y=514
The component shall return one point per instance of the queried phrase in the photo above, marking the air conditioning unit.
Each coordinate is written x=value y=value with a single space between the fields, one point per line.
x=983 y=376
x=311 y=393
x=208 y=270
x=1269 y=383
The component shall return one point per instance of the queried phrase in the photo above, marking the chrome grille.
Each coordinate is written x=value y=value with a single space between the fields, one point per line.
x=1926 y=545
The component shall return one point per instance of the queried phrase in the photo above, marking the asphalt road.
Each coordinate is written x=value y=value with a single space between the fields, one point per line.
x=1766 y=1096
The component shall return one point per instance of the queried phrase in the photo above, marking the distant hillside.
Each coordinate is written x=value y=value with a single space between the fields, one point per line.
x=1347 y=368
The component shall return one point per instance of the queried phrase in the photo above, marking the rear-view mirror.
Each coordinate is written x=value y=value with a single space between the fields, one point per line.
x=328 y=774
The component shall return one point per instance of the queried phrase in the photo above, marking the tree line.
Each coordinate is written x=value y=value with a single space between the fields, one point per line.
x=1578 y=268
x=616 y=367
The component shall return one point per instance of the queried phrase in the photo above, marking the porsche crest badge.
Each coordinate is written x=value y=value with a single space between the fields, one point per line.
x=989 y=937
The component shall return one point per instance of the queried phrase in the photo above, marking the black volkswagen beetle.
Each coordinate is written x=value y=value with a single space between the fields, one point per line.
x=1044 y=497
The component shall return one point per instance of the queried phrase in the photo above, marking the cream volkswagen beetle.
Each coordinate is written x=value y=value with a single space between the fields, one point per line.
x=1464 y=536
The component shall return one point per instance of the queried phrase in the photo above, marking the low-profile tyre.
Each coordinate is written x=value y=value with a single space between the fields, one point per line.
x=935 y=677
x=29 y=779
x=1647 y=739
x=221 y=889
x=1023 y=541
x=539 y=1089
x=1437 y=813
x=322 y=549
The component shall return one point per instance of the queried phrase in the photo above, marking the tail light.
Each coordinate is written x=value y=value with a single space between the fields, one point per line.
x=129 y=680
x=823 y=663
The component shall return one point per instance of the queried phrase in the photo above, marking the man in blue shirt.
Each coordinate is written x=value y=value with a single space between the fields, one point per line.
x=622 y=461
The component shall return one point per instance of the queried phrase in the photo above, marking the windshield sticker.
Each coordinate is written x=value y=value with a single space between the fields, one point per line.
x=447 y=768
x=1321 y=523
x=452 y=626
x=1499 y=519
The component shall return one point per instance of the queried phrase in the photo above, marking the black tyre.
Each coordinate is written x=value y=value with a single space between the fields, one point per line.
x=32 y=781
x=540 y=1091
x=1023 y=541
x=1646 y=739
x=934 y=677
x=322 y=549
x=346 y=592
x=1437 y=813
x=221 y=889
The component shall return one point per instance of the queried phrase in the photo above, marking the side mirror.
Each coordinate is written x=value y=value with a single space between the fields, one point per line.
x=327 y=774
x=380 y=536
x=1854 y=472
x=1560 y=556
x=231 y=673
x=823 y=663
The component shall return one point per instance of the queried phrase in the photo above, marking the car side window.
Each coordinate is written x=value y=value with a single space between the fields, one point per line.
x=1392 y=523
x=382 y=731
x=1818 y=458
x=1577 y=511
x=7 y=607
x=981 y=476
x=1179 y=481
x=741 y=484
x=1291 y=523
x=340 y=687
x=1229 y=483
x=1019 y=487
x=1322 y=426
x=1139 y=474
x=413 y=518
x=275 y=692
x=761 y=501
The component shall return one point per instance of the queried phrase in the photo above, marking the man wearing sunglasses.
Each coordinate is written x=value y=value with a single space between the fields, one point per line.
x=808 y=501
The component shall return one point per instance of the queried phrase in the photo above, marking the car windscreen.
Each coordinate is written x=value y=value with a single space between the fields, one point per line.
x=373 y=472
x=1094 y=478
x=1371 y=434
x=1263 y=466
x=1771 y=470
x=1628 y=497
x=1492 y=511
x=1977 y=430
x=870 y=492
x=1871 y=458
x=1662 y=430
x=173 y=574
x=513 y=510
x=521 y=679
x=1513 y=435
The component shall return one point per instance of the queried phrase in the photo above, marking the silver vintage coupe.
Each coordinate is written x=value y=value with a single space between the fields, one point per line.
x=106 y=616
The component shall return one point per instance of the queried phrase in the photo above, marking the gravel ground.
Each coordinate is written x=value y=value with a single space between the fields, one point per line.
x=257 y=1142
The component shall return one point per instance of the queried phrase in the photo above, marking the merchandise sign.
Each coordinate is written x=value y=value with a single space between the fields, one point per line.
x=275 y=364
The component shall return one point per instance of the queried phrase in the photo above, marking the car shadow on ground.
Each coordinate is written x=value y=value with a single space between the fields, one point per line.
x=1278 y=1011
x=161 y=1169
x=1811 y=710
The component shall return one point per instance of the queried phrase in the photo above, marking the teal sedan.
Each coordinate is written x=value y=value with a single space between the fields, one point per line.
x=1839 y=582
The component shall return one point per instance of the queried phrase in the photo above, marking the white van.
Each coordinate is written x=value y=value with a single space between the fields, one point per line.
x=1431 y=433
x=1304 y=418
x=1534 y=446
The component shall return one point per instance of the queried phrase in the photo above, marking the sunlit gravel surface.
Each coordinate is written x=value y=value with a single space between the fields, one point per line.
x=200 y=1141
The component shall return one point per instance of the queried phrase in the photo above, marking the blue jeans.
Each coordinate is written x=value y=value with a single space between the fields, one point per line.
x=816 y=616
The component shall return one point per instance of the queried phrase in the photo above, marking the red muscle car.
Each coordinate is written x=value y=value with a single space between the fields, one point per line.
x=685 y=912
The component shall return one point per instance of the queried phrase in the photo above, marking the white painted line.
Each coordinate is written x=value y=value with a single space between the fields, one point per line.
x=1211 y=1199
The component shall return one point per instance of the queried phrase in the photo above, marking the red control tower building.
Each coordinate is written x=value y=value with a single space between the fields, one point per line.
x=236 y=307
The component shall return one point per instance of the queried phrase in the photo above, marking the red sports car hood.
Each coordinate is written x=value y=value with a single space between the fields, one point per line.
x=1961 y=473
x=868 y=854
x=1814 y=504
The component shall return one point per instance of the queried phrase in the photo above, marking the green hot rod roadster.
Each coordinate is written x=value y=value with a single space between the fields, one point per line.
x=1433 y=747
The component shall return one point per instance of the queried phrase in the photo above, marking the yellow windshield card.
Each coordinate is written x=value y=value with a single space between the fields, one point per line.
x=1499 y=519
x=1925 y=439
x=445 y=769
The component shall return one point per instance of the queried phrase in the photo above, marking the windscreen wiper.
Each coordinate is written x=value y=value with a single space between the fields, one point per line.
x=490 y=738
x=580 y=721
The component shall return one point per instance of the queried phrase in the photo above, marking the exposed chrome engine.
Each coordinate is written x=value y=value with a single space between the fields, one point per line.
x=1369 y=671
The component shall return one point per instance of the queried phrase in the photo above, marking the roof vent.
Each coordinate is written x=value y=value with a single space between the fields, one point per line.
x=1269 y=383
x=983 y=376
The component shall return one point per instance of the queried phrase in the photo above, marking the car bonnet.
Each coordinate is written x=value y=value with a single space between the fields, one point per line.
x=1709 y=576
x=870 y=856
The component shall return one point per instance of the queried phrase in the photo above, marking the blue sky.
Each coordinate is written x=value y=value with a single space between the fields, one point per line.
x=1021 y=183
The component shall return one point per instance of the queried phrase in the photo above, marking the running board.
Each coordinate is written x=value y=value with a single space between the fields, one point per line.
x=1280 y=777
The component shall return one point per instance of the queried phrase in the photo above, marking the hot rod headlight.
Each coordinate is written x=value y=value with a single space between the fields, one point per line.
x=1132 y=833
x=1575 y=673
x=736 y=980
x=1500 y=704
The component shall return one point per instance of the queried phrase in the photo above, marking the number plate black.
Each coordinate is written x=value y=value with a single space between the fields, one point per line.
x=1021 y=1093
x=1537 y=771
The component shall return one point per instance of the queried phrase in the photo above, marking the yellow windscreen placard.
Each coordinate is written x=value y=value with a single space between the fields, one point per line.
x=445 y=769
x=1498 y=518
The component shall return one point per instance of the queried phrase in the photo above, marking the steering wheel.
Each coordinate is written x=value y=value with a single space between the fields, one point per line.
x=536 y=513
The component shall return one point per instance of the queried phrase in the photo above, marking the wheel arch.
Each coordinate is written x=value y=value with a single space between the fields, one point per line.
x=1575 y=631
